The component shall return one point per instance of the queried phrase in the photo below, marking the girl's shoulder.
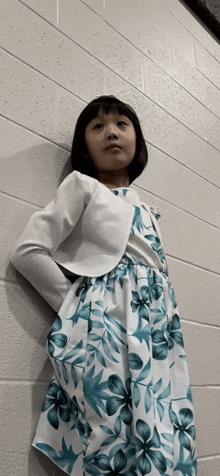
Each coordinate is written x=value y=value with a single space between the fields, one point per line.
x=78 y=182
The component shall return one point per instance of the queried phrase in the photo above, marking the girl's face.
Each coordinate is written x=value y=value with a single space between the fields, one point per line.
x=106 y=131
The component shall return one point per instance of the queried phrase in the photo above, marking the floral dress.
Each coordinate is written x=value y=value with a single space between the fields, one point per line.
x=120 y=403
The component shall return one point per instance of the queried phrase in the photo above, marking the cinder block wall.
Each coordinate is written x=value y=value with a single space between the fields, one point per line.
x=155 y=55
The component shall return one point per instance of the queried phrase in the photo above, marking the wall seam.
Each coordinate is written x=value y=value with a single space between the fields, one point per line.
x=179 y=208
x=34 y=132
x=150 y=193
x=134 y=46
x=147 y=142
x=194 y=37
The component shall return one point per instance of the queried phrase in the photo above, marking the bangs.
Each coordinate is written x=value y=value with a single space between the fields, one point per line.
x=108 y=104
x=115 y=107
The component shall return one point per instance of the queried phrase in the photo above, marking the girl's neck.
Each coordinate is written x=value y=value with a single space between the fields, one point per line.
x=114 y=179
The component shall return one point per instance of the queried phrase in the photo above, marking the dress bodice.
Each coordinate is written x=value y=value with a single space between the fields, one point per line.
x=144 y=243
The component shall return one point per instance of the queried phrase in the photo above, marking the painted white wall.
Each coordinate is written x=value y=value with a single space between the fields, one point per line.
x=155 y=55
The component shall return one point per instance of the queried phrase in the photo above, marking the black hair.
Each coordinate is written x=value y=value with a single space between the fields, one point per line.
x=80 y=158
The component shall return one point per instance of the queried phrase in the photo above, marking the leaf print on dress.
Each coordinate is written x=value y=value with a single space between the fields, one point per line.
x=83 y=313
x=155 y=284
x=102 y=283
x=77 y=416
x=161 y=313
x=61 y=362
x=172 y=294
x=82 y=290
x=143 y=334
x=137 y=223
x=135 y=361
x=78 y=419
x=125 y=268
x=155 y=212
x=66 y=457
x=113 y=334
x=156 y=246
x=146 y=387
x=94 y=390
x=116 y=468
x=187 y=467
x=95 y=353
x=160 y=343
x=161 y=397
x=56 y=338
x=113 y=434
x=174 y=332
x=116 y=434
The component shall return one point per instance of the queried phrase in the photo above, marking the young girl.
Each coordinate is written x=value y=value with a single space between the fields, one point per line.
x=119 y=402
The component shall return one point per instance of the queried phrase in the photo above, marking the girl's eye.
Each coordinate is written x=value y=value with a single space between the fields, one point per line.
x=120 y=123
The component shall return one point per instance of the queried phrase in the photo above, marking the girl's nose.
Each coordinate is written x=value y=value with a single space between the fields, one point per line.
x=112 y=132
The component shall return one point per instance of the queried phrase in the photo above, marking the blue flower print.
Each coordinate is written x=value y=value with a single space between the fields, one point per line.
x=56 y=338
x=155 y=284
x=161 y=344
x=141 y=303
x=84 y=429
x=58 y=403
x=124 y=191
x=174 y=333
x=156 y=246
x=189 y=466
x=82 y=290
x=119 y=463
x=103 y=282
x=125 y=268
x=155 y=212
x=116 y=192
x=116 y=386
x=137 y=221
x=146 y=445
x=183 y=426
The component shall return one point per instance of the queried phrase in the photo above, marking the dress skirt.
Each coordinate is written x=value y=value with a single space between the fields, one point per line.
x=120 y=402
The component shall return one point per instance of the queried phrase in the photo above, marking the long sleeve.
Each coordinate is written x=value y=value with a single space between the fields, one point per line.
x=43 y=234
x=45 y=276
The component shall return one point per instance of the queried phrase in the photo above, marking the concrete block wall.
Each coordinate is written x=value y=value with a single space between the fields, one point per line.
x=56 y=56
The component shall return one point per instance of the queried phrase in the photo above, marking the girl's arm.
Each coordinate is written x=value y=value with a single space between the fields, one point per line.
x=43 y=234
x=44 y=275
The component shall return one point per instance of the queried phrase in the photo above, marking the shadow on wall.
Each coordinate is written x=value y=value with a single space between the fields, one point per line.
x=41 y=169
x=29 y=322
x=33 y=174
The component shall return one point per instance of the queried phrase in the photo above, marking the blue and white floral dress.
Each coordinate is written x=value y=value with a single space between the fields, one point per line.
x=120 y=403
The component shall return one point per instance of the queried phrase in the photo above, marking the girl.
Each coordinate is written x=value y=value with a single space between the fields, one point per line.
x=119 y=402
